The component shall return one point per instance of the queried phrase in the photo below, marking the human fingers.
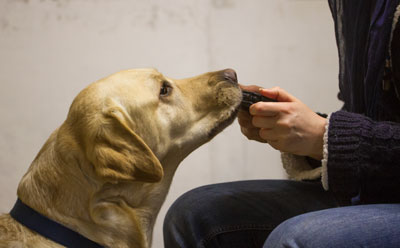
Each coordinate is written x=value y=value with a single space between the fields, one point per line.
x=278 y=94
x=244 y=119
x=268 y=108
x=252 y=134
x=272 y=138
x=269 y=135
x=265 y=122
x=244 y=115
x=276 y=144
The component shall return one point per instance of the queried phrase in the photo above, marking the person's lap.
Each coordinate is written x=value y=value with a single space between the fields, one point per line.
x=239 y=214
x=299 y=214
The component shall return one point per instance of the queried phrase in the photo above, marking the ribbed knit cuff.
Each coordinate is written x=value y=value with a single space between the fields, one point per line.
x=344 y=136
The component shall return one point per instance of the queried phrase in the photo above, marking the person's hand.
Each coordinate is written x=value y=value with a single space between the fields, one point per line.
x=245 y=119
x=288 y=125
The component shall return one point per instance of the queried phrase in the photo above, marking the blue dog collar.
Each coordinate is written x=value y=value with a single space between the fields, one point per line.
x=48 y=228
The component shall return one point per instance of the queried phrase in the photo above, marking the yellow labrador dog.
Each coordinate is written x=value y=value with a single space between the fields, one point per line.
x=105 y=172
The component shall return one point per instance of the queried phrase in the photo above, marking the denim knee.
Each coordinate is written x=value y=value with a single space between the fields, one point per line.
x=202 y=213
x=183 y=221
x=295 y=232
x=243 y=208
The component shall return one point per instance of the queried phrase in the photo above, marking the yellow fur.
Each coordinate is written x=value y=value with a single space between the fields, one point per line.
x=106 y=170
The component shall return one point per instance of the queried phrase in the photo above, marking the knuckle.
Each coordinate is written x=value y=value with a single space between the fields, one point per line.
x=285 y=124
x=287 y=108
x=254 y=109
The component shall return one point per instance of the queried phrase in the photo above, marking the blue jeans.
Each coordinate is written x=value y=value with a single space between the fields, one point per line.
x=276 y=213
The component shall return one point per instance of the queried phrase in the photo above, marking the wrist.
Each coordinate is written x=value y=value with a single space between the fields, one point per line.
x=317 y=148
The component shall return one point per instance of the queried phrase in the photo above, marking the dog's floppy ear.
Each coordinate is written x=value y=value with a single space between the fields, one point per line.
x=119 y=154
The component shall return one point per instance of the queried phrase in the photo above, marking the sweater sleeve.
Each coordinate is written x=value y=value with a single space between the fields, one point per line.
x=363 y=158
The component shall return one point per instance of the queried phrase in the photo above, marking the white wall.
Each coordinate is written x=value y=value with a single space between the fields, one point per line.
x=51 y=49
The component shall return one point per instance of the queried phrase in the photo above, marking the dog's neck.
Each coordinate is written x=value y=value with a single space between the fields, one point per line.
x=114 y=218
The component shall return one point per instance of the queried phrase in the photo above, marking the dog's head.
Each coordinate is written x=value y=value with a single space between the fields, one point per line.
x=127 y=123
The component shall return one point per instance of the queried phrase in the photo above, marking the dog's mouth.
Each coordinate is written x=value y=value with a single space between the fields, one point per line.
x=224 y=123
x=229 y=96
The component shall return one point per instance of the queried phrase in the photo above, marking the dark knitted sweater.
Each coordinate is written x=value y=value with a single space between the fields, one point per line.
x=364 y=137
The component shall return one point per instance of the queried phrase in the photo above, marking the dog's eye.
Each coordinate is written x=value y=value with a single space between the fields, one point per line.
x=166 y=89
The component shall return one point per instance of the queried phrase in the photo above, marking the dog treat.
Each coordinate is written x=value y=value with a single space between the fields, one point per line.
x=250 y=98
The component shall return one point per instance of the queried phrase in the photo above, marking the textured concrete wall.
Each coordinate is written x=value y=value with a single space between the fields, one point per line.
x=51 y=49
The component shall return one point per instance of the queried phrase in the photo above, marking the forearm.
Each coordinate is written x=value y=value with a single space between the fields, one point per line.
x=363 y=156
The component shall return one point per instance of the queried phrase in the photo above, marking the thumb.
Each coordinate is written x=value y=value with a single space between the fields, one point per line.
x=278 y=94
x=251 y=88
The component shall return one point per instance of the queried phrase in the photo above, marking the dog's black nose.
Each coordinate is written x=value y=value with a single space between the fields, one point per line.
x=230 y=75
